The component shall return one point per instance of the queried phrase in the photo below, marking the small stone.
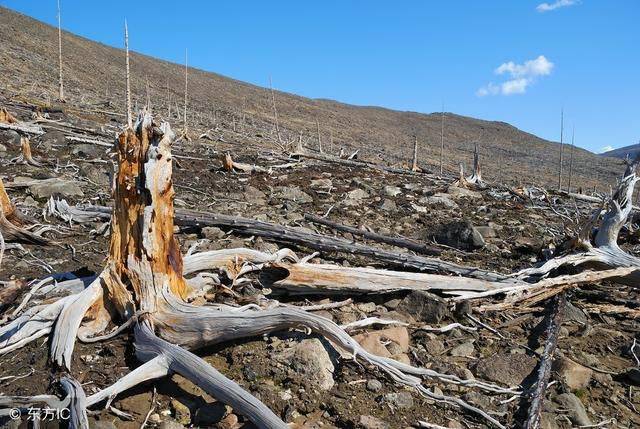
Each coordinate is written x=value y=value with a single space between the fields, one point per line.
x=366 y=307
x=209 y=414
x=181 y=412
x=212 y=233
x=321 y=184
x=44 y=189
x=392 y=191
x=388 y=205
x=505 y=368
x=292 y=193
x=311 y=360
x=103 y=424
x=460 y=234
x=575 y=410
x=434 y=347
x=457 y=192
x=486 y=232
x=357 y=194
x=439 y=200
x=3 y=148
x=374 y=385
x=370 y=422
x=463 y=350
x=170 y=424
x=574 y=375
x=424 y=307
x=402 y=399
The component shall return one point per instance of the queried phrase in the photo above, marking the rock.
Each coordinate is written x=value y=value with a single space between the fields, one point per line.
x=402 y=399
x=392 y=304
x=370 y=422
x=374 y=385
x=574 y=314
x=3 y=148
x=53 y=137
x=434 y=347
x=254 y=195
x=103 y=424
x=374 y=342
x=366 y=307
x=388 y=205
x=10 y=138
x=392 y=191
x=209 y=414
x=357 y=195
x=321 y=184
x=574 y=375
x=292 y=193
x=44 y=189
x=213 y=233
x=505 y=368
x=460 y=234
x=463 y=350
x=181 y=412
x=486 y=232
x=439 y=200
x=575 y=410
x=457 y=192
x=88 y=150
x=424 y=307
x=548 y=421
x=310 y=359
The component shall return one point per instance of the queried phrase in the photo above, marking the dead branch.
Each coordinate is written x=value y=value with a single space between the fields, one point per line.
x=394 y=241
x=232 y=166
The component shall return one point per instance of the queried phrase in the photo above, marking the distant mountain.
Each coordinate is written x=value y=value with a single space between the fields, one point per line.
x=631 y=150
x=94 y=76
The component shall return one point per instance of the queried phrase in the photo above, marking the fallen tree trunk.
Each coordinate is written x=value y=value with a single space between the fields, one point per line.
x=305 y=278
x=552 y=332
x=394 y=241
x=296 y=237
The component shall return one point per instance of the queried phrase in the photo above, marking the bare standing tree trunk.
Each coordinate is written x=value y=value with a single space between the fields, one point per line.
x=275 y=112
x=126 y=47
x=186 y=87
x=561 y=149
x=319 y=137
x=442 y=140
x=414 y=163
x=573 y=133
x=60 y=84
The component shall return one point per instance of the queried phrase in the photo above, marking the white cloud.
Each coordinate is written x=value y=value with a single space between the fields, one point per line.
x=546 y=7
x=538 y=67
x=606 y=149
x=521 y=76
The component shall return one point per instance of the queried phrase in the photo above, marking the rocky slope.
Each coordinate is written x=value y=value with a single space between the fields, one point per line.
x=94 y=76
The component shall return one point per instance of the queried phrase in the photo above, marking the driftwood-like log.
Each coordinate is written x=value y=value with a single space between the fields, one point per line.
x=9 y=122
x=394 y=241
x=305 y=278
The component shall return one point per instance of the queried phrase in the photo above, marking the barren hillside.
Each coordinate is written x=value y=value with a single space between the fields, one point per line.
x=94 y=75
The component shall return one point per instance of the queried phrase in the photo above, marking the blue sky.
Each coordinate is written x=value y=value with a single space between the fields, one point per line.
x=510 y=60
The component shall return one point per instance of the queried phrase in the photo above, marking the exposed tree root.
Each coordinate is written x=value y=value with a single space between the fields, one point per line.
x=11 y=221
